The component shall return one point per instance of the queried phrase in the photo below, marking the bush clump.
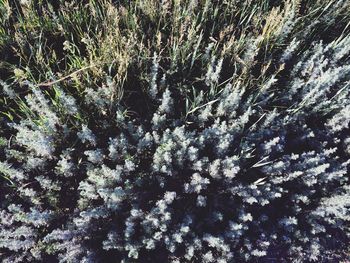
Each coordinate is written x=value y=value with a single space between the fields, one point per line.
x=194 y=131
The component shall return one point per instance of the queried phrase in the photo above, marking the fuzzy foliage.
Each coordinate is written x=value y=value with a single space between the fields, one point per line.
x=249 y=163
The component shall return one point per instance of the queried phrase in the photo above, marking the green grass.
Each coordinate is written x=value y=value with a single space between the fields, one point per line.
x=79 y=44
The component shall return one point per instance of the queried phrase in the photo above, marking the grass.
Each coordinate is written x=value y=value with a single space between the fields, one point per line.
x=78 y=44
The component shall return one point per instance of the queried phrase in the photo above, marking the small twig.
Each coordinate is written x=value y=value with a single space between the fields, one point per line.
x=9 y=142
x=252 y=126
x=199 y=107
x=47 y=84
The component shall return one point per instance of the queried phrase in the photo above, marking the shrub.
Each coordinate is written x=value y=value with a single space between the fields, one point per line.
x=250 y=164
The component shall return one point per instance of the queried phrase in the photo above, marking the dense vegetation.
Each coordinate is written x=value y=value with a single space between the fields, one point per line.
x=174 y=131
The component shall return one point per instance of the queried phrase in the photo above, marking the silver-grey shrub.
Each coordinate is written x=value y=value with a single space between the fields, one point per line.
x=252 y=175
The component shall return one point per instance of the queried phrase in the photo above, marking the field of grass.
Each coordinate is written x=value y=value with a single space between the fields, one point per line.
x=174 y=131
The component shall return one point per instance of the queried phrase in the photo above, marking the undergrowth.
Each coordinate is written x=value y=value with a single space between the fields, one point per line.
x=174 y=131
